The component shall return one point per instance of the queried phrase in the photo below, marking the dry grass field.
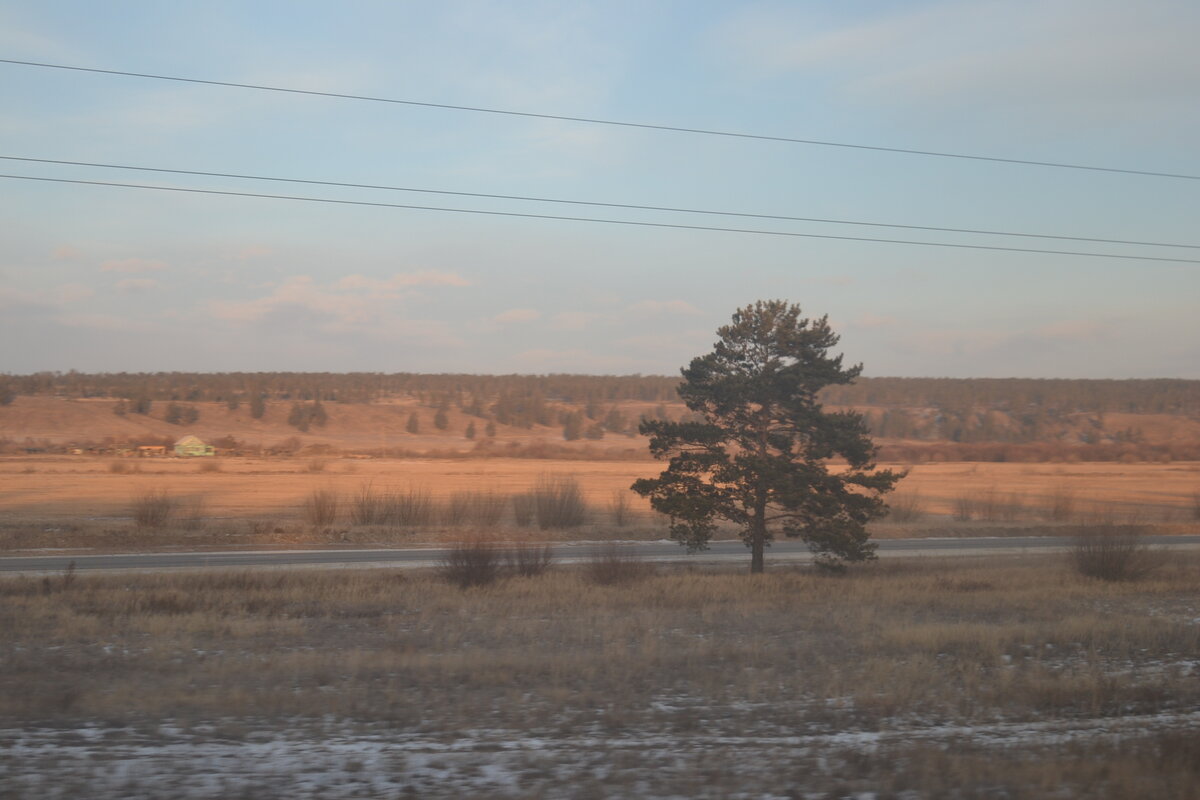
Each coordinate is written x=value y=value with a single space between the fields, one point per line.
x=51 y=502
x=921 y=678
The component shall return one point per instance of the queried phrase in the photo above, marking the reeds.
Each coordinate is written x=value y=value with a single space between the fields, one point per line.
x=153 y=508
x=558 y=502
x=1113 y=553
x=320 y=508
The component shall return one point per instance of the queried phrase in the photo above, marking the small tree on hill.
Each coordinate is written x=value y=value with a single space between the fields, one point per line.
x=414 y=424
x=258 y=405
x=758 y=452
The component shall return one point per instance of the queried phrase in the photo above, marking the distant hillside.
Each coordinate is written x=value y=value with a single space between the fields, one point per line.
x=913 y=419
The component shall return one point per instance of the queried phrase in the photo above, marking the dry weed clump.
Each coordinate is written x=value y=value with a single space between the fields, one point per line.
x=1113 y=553
x=614 y=563
x=620 y=509
x=208 y=465
x=1060 y=505
x=316 y=465
x=121 y=467
x=472 y=563
x=558 y=502
x=153 y=508
x=320 y=508
x=906 y=507
x=988 y=505
x=528 y=559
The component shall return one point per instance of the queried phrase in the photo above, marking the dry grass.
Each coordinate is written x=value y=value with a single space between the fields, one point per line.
x=321 y=507
x=558 y=502
x=153 y=508
x=906 y=506
x=1114 y=553
x=614 y=563
x=208 y=465
x=898 y=650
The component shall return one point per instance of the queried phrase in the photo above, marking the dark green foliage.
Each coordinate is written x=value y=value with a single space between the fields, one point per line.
x=304 y=416
x=441 y=420
x=573 y=425
x=489 y=430
x=181 y=415
x=7 y=394
x=413 y=425
x=258 y=405
x=756 y=450
x=470 y=432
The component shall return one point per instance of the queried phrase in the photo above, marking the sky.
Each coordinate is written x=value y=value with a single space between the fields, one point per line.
x=109 y=279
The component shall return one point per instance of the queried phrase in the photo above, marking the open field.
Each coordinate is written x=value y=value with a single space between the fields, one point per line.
x=82 y=501
x=960 y=678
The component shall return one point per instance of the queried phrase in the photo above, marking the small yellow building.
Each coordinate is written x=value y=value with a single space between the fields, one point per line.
x=192 y=446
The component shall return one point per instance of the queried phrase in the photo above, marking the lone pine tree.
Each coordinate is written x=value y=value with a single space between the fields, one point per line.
x=757 y=448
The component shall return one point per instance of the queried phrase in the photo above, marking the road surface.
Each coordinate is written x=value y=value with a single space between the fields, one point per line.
x=726 y=552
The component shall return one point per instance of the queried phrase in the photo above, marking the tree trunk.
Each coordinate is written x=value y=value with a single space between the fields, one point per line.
x=758 y=539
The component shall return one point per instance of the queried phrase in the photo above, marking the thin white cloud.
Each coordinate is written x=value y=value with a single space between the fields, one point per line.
x=65 y=252
x=403 y=280
x=1079 y=60
x=352 y=304
x=137 y=285
x=104 y=322
x=574 y=320
x=133 y=265
x=659 y=307
x=517 y=315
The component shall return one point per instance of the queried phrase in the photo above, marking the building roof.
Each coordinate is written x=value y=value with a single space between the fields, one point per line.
x=187 y=440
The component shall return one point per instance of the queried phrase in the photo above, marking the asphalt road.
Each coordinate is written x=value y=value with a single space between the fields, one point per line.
x=721 y=552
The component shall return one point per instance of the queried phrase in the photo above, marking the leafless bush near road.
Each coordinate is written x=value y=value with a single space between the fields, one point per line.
x=1114 y=553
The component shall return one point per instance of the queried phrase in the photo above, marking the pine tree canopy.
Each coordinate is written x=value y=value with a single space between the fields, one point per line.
x=764 y=454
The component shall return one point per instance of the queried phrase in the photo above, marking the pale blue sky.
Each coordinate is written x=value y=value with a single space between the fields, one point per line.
x=111 y=279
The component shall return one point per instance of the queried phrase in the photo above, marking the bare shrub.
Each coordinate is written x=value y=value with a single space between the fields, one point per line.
x=153 y=508
x=471 y=563
x=620 y=511
x=906 y=507
x=1196 y=506
x=488 y=508
x=456 y=511
x=558 y=502
x=1060 y=506
x=368 y=507
x=614 y=563
x=528 y=560
x=523 y=509
x=964 y=508
x=1113 y=553
x=316 y=465
x=193 y=513
x=413 y=508
x=208 y=465
x=119 y=467
x=320 y=508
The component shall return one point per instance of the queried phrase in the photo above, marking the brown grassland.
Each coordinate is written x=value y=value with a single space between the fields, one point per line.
x=90 y=502
x=966 y=678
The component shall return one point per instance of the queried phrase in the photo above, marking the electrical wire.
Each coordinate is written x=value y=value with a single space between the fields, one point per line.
x=631 y=206
x=638 y=223
x=614 y=123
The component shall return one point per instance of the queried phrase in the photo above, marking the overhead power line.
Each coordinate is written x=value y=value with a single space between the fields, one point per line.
x=631 y=206
x=611 y=122
x=637 y=223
